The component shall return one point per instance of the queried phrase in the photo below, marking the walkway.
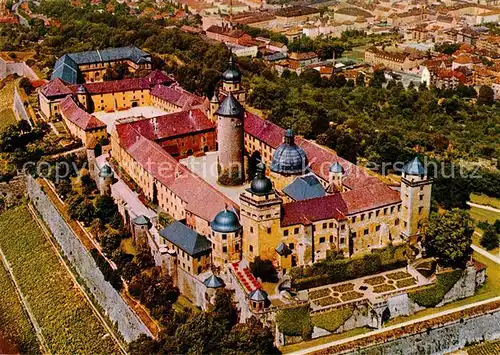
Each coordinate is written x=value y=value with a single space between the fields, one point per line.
x=489 y=208
x=484 y=253
x=316 y=348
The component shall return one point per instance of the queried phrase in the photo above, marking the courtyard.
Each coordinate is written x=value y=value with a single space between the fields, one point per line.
x=206 y=168
x=109 y=118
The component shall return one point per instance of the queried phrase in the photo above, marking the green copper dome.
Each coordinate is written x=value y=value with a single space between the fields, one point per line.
x=225 y=222
x=289 y=158
x=106 y=171
x=336 y=168
x=261 y=185
x=231 y=75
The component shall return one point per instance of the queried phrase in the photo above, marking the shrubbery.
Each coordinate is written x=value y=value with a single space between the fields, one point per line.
x=336 y=268
x=295 y=322
x=431 y=296
x=264 y=269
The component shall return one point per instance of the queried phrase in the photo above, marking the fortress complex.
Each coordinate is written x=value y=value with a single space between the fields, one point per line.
x=301 y=202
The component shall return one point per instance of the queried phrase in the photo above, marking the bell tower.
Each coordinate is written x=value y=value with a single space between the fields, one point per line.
x=415 y=197
x=260 y=215
x=231 y=81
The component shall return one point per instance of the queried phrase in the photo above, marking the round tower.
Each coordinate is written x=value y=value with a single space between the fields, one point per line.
x=83 y=98
x=226 y=238
x=106 y=177
x=214 y=105
x=258 y=300
x=230 y=144
x=212 y=283
x=140 y=229
x=335 y=173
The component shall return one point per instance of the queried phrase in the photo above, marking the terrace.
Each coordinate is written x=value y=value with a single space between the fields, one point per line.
x=366 y=288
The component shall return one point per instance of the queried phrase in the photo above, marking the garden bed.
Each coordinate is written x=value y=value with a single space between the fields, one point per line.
x=406 y=282
x=373 y=281
x=314 y=294
x=398 y=275
x=383 y=288
x=343 y=288
x=351 y=295
x=333 y=319
x=327 y=301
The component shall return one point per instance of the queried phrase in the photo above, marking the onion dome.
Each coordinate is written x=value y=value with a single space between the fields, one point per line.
x=415 y=167
x=232 y=74
x=336 y=168
x=258 y=295
x=213 y=282
x=289 y=158
x=81 y=89
x=230 y=107
x=225 y=222
x=261 y=185
x=106 y=171
x=141 y=220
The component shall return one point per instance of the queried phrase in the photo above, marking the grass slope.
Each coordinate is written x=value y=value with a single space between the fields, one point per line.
x=14 y=324
x=68 y=323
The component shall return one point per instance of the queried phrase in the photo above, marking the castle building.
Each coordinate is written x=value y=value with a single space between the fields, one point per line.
x=91 y=66
x=309 y=203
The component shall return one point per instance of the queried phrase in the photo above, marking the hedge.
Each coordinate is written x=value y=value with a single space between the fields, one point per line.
x=431 y=296
x=295 y=322
x=338 y=269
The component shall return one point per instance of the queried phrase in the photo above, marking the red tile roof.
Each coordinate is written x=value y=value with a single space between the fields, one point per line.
x=339 y=206
x=177 y=96
x=55 y=88
x=171 y=125
x=319 y=158
x=105 y=87
x=201 y=198
x=74 y=113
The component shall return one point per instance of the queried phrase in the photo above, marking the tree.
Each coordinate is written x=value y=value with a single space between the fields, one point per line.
x=85 y=211
x=154 y=288
x=486 y=95
x=25 y=84
x=201 y=334
x=251 y=337
x=105 y=208
x=378 y=78
x=489 y=240
x=448 y=237
x=223 y=309
x=264 y=269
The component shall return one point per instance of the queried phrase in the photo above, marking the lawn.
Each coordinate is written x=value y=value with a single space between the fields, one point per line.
x=14 y=324
x=333 y=319
x=485 y=200
x=480 y=214
x=68 y=322
x=7 y=117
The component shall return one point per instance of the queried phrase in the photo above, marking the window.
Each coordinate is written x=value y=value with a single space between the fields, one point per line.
x=421 y=188
x=392 y=209
x=362 y=216
x=331 y=239
x=285 y=233
x=421 y=197
x=324 y=225
x=370 y=215
x=224 y=236
x=342 y=227
x=377 y=228
x=322 y=239
x=331 y=225
x=376 y=213
x=354 y=219
x=366 y=231
x=342 y=241
x=268 y=230
x=420 y=210
x=291 y=246
x=385 y=211
x=396 y=221
x=251 y=229
x=224 y=249
x=296 y=231
x=237 y=247
x=353 y=235
x=250 y=248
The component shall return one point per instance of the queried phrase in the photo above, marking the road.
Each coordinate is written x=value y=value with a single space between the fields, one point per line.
x=313 y=349
x=22 y=20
